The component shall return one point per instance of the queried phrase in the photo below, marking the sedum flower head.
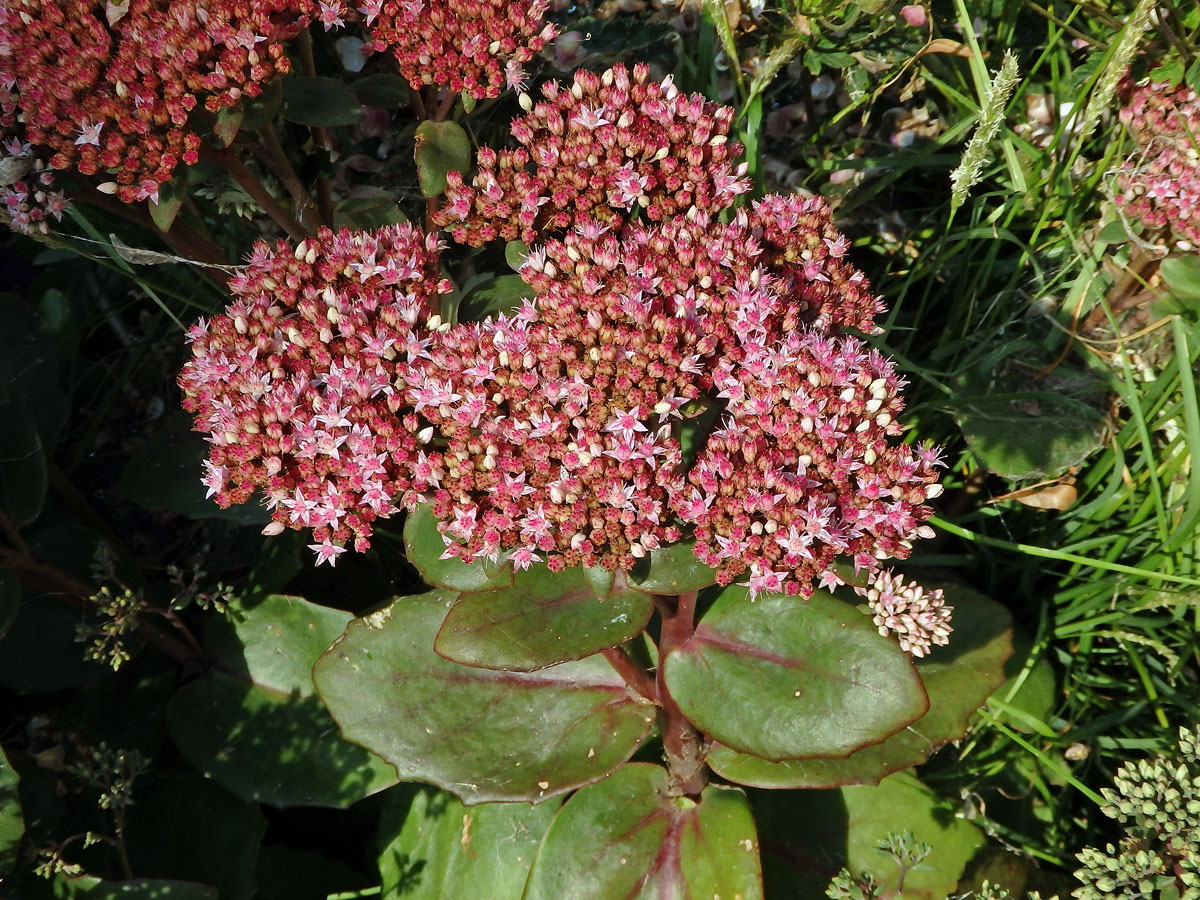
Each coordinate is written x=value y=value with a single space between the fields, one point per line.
x=596 y=150
x=1160 y=183
x=477 y=47
x=557 y=428
x=1157 y=803
x=919 y=618
x=111 y=97
x=26 y=189
x=584 y=396
x=295 y=383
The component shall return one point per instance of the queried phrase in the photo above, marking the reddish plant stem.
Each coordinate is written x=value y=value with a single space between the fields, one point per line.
x=445 y=106
x=635 y=676
x=281 y=166
x=682 y=743
x=43 y=577
x=322 y=136
x=252 y=186
x=417 y=102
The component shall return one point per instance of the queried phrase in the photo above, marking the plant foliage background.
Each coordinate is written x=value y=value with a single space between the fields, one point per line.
x=161 y=732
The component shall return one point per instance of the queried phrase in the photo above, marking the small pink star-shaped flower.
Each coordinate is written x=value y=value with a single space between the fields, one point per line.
x=331 y=14
x=327 y=551
x=89 y=133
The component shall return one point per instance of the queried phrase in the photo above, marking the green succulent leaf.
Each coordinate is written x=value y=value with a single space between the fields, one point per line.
x=672 y=570
x=321 y=102
x=382 y=89
x=786 y=678
x=484 y=735
x=226 y=124
x=627 y=838
x=87 y=887
x=435 y=848
x=10 y=600
x=368 y=212
x=165 y=474
x=958 y=678
x=175 y=832
x=12 y=823
x=495 y=295
x=170 y=200
x=441 y=147
x=254 y=723
x=424 y=547
x=22 y=464
x=543 y=619
x=816 y=833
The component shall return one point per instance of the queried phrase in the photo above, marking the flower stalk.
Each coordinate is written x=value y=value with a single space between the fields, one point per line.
x=682 y=744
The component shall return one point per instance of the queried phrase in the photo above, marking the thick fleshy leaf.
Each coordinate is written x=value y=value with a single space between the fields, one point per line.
x=543 y=619
x=501 y=294
x=901 y=803
x=672 y=570
x=191 y=828
x=12 y=823
x=226 y=124
x=483 y=735
x=1021 y=428
x=958 y=678
x=22 y=464
x=170 y=200
x=435 y=848
x=816 y=833
x=254 y=723
x=312 y=100
x=515 y=253
x=786 y=678
x=10 y=599
x=87 y=887
x=626 y=838
x=382 y=89
x=441 y=147
x=165 y=474
x=423 y=545
x=368 y=212
x=40 y=653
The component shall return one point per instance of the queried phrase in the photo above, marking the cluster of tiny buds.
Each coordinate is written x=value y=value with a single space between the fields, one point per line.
x=25 y=189
x=605 y=146
x=1160 y=184
x=920 y=619
x=296 y=383
x=476 y=47
x=1157 y=802
x=110 y=97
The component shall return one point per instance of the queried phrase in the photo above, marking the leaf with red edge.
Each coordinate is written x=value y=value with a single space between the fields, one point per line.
x=424 y=548
x=673 y=569
x=484 y=735
x=958 y=677
x=627 y=838
x=787 y=678
x=543 y=619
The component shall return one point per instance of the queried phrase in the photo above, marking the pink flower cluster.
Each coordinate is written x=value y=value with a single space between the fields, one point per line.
x=605 y=146
x=25 y=190
x=1161 y=183
x=296 y=383
x=475 y=46
x=108 y=90
x=919 y=618
x=563 y=424
x=557 y=432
